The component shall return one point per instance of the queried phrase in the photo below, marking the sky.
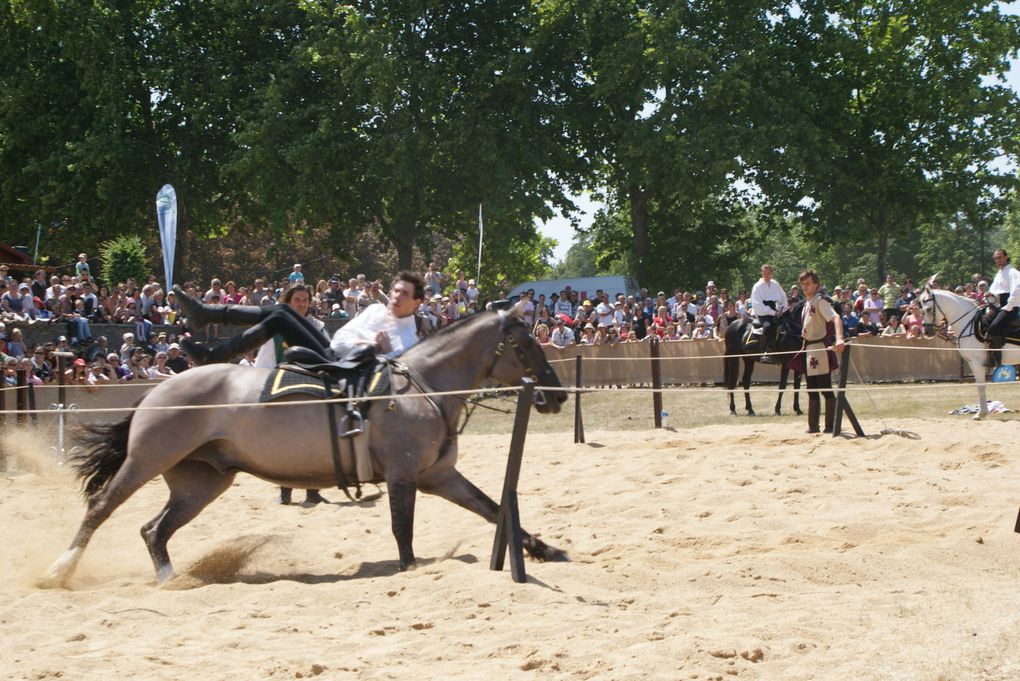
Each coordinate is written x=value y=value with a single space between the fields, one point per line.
x=560 y=229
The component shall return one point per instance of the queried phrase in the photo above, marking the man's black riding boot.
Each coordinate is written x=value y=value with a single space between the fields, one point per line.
x=994 y=356
x=814 y=408
x=251 y=339
x=199 y=314
x=830 y=413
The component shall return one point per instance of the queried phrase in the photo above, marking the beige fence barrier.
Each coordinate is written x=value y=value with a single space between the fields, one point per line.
x=685 y=362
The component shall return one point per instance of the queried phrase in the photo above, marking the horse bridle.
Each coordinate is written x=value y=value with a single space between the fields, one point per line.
x=936 y=308
x=511 y=340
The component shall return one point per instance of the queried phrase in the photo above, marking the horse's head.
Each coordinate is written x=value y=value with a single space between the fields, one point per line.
x=929 y=309
x=518 y=355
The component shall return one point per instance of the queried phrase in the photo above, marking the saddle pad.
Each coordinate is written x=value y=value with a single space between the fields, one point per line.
x=284 y=383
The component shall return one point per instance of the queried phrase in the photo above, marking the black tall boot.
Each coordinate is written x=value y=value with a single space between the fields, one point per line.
x=830 y=413
x=251 y=339
x=994 y=356
x=200 y=315
x=814 y=408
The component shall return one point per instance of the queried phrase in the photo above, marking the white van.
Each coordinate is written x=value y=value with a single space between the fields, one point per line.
x=585 y=286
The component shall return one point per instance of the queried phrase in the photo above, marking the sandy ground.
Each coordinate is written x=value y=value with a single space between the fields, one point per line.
x=746 y=551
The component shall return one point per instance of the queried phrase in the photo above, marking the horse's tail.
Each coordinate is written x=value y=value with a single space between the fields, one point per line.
x=105 y=450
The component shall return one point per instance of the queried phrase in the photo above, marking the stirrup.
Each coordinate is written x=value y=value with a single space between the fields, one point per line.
x=359 y=424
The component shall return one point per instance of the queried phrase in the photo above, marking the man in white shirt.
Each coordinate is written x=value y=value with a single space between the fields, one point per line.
x=562 y=336
x=1006 y=287
x=768 y=300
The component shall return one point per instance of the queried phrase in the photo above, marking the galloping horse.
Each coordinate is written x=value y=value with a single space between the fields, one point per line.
x=413 y=444
x=962 y=315
x=741 y=344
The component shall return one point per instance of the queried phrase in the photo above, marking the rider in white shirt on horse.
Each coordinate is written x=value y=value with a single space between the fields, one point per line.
x=768 y=300
x=1006 y=288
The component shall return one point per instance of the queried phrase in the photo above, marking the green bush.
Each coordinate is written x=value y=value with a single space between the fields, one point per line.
x=123 y=258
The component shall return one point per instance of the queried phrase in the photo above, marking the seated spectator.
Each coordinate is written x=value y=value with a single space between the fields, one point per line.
x=562 y=336
x=41 y=366
x=11 y=365
x=914 y=321
x=587 y=335
x=30 y=377
x=97 y=374
x=671 y=333
x=894 y=329
x=15 y=345
x=542 y=334
x=127 y=347
x=701 y=331
x=175 y=360
x=851 y=322
x=118 y=372
x=160 y=371
x=77 y=373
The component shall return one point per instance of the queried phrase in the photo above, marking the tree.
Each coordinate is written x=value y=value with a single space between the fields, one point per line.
x=658 y=94
x=888 y=115
x=123 y=259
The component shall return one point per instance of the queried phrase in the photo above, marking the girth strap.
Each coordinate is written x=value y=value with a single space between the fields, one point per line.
x=342 y=482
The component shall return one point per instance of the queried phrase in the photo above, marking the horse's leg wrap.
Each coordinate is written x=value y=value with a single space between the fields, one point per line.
x=402 y=519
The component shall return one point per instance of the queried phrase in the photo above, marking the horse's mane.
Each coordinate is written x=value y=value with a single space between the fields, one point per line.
x=955 y=295
x=453 y=328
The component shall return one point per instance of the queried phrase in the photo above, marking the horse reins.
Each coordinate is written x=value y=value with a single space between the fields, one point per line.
x=969 y=331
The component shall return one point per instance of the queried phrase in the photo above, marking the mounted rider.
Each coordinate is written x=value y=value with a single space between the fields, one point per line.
x=768 y=301
x=1006 y=288
x=390 y=329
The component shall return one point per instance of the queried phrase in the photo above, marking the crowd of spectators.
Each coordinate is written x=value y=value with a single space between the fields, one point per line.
x=574 y=318
x=72 y=302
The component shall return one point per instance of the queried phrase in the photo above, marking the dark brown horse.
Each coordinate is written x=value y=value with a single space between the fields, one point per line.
x=742 y=344
x=413 y=441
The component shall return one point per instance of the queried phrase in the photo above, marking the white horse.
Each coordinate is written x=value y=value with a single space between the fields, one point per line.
x=959 y=314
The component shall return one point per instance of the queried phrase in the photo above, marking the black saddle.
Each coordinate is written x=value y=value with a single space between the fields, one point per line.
x=358 y=373
x=1011 y=329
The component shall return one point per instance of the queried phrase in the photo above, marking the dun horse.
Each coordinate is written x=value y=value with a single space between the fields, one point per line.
x=413 y=444
x=741 y=345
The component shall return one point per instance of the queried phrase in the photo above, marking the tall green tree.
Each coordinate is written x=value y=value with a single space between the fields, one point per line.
x=888 y=115
x=658 y=95
x=410 y=116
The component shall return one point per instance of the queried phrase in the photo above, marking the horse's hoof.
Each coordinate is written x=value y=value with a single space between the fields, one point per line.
x=51 y=581
x=799 y=412
x=404 y=567
x=978 y=417
x=556 y=556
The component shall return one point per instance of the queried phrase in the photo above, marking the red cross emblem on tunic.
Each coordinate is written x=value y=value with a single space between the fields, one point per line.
x=813 y=362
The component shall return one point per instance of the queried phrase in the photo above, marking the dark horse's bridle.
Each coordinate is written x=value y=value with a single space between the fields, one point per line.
x=509 y=339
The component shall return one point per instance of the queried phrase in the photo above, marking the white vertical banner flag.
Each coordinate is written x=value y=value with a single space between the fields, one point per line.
x=481 y=229
x=166 y=214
